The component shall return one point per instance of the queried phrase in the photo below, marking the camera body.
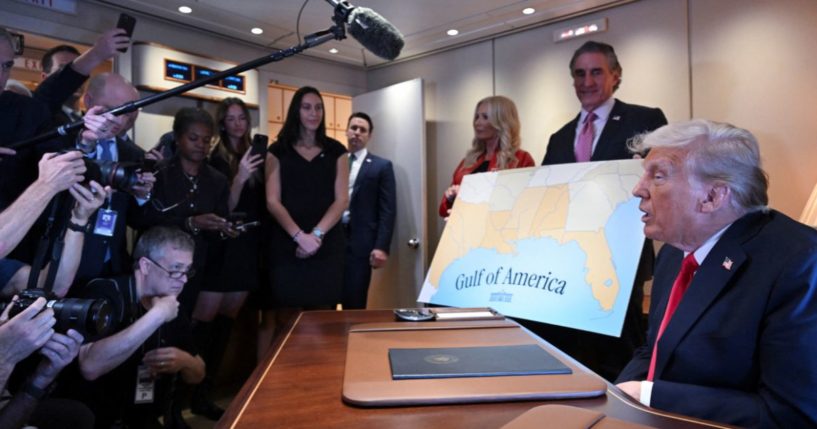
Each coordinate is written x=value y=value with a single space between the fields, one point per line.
x=121 y=176
x=92 y=318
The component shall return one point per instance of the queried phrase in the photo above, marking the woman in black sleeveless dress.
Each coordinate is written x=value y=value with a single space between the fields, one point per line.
x=307 y=192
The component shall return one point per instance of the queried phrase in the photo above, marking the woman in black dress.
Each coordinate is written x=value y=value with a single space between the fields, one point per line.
x=190 y=195
x=224 y=293
x=307 y=192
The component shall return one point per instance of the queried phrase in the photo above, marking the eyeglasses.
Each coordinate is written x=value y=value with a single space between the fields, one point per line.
x=174 y=274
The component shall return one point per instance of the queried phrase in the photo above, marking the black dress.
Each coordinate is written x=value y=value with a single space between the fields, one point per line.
x=307 y=191
x=240 y=256
x=176 y=197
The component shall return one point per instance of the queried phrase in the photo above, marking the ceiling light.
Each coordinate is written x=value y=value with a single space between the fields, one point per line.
x=452 y=32
x=333 y=51
x=256 y=31
x=584 y=29
x=528 y=11
x=185 y=9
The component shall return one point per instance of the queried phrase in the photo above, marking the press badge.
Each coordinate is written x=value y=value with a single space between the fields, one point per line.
x=105 y=222
x=144 y=385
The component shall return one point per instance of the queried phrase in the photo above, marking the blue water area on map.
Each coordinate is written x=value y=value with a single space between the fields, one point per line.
x=480 y=278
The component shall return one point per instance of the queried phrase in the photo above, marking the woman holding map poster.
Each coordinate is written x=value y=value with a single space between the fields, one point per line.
x=496 y=145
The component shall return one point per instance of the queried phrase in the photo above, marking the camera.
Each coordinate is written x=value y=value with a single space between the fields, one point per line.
x=122 y=176
x=90 y=317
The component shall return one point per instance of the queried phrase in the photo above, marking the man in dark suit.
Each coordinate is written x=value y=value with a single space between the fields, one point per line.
x=369 y=221
x=733 y=327
x=23 y=117
x=596 y=75
x=600 y=133
x=105 y=251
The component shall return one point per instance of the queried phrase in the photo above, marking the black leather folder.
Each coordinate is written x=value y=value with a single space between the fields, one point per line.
x=492 y=361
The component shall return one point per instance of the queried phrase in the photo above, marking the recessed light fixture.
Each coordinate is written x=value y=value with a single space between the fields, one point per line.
x=333 y=51
x=528 y=11
x=256 y=31
x=185 y=9
x=452 y=32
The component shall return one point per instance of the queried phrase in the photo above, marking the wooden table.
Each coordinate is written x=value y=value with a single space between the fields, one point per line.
x=300 y=385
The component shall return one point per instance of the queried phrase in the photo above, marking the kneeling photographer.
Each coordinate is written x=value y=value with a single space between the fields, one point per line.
x=27 y=325
x=129 y=376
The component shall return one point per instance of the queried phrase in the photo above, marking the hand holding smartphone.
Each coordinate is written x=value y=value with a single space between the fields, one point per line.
x=259 y=145
x=127 y=23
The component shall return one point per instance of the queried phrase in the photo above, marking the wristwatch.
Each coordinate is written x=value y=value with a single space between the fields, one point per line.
x=317 y=232
x=77 y=227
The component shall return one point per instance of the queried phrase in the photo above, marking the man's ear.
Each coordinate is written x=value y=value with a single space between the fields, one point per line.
x=143 y=264
x=717 y=197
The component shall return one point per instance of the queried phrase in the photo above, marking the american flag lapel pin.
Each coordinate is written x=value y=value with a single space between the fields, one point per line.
x=727 y=264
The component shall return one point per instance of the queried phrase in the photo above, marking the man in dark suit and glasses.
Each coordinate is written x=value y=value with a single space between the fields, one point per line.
x=599 y=133
x=369 y=221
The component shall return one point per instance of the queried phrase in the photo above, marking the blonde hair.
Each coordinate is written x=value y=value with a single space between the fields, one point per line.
x=503 y=116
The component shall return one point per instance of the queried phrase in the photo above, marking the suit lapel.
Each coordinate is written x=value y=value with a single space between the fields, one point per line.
x=722 y=263
x=571 y=153
x=610 y=132
x=364 y=167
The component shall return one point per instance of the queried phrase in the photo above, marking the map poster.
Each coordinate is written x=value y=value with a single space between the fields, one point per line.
x=557 y=244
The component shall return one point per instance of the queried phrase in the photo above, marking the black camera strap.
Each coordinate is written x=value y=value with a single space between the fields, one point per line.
x=52 y=242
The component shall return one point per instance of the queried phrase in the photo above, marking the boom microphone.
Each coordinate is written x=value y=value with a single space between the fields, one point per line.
x=371 y=30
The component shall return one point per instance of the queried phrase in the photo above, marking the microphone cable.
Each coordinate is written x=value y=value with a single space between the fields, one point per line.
x=298 y=22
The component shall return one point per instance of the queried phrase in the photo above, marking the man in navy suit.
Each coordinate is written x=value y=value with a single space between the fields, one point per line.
x=596 y=74
x=105 y=252
x=733 y=329
x=369 y=221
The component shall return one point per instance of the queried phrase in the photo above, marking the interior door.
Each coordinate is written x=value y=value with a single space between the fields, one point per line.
x=399 y=135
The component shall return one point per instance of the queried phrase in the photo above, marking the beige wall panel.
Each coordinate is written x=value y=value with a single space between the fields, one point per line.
x=343 y=108
x=754 y=66
x=275 y=104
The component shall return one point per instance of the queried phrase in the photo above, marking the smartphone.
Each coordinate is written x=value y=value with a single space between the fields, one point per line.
x=126 y=22
x=18 y=40
x=259 y=145
x=245 y=226
x=236 y=217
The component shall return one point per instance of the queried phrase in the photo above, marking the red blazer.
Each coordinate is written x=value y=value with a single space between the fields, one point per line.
x=523 y=160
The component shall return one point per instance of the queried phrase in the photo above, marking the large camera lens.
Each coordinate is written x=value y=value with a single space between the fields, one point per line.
x=120 y=176
x=90 y=317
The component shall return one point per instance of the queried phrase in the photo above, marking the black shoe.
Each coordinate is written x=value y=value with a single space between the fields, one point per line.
x=173 y=418
x=206 y=408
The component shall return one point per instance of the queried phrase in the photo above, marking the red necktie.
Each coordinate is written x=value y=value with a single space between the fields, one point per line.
x=584 y=145
x=681 y=284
